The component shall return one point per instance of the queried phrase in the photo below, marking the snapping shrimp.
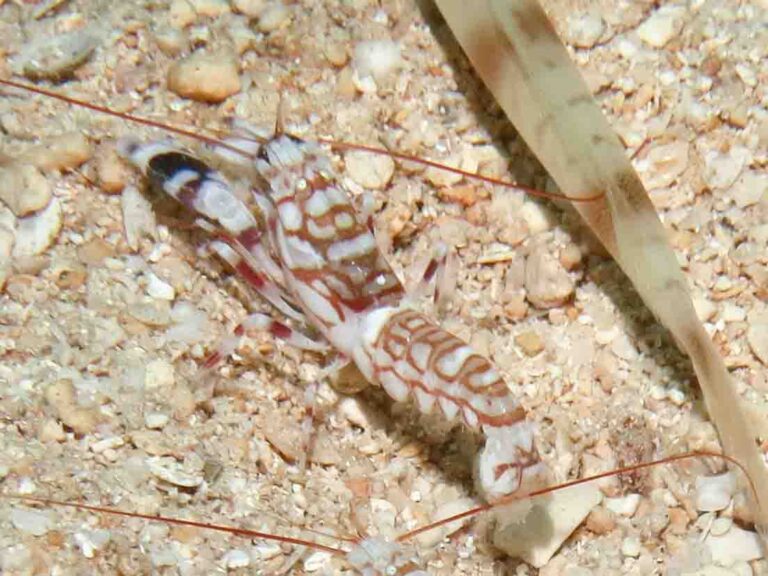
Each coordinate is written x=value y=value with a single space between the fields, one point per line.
x=310 y=249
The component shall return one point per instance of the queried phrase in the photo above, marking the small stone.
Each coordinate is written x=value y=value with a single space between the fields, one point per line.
x=720 y=526
x=705 y=308
x=355 y=414
x=530 y=342
x=736 y=545
x=61 y=395
x=205 y=77
x=662 y=26
x=714 y=493
x=158 y=288
x=155 y=420
x=91 y=541
x=750 y=188
x=34 y=522
x=432 y=538
x=317 y=561
x=630 y=546
x=35 y=233
x=138 y=216
x=722 y=169
x=378 y=59
x=584 y=30
x=465 y=195
x=171 y=41
x=107 y=444
x=570 y=256
x=536 y=216
x=211 y=8
x=546 y=281
x=169 y=470
x=52 y=431
x=601 y=521
x=181 y=14
x=63 y=152
x=159 y=374
x=251 y=8
x=548 y=525
x=24 y=189
x=273 y=17
x=57 y=57
x=236 y=558
x=624 y=505
x=150 y=312
x=665 y=164
x=111 y=172
x=372 y=171
x=336 y=54
x=94 y=252
x=732 y=313
x=757 y=337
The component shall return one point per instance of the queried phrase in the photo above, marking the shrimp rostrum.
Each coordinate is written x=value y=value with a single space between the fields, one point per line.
x=301 y=242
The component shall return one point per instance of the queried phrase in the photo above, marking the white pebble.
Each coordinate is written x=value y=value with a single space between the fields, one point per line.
x=720 y=526
x=736 y=545
x=251 y=8
x=91 y=541
x=548 y=525
x=268 y=550
x=623 y=505
x=107 y=444
x=584 y=30
x=630 y=546
x=705 y=308
x=159 y=374
x=273 y=17
x=138 y=216
x=158 y=288
x=536 y=216
x=169 y=470
x=432 y=538
x=33 y=522
x=757 y=337
x=317 y=561
x=189 y=324
x=714 y=493
x=236 y=559
x=750 y=188
x=57 y=57
x=155 y=420
x=372 y=171
x=722 y=169
x=351 y=409
x=35 y=233
x=24 y=189
x=377 y=59
x=732 y=313
x=662 y=25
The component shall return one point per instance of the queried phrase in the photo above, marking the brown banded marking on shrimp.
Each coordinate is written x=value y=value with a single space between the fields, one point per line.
x=585 y=453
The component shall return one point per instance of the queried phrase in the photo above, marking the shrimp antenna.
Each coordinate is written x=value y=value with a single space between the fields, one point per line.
x=125 y=116
x=549 y=489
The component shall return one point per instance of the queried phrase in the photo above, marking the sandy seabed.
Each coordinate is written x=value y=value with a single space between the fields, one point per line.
x=105 y=315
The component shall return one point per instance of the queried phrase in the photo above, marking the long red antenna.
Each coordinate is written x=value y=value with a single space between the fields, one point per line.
x=549 y=489
x=123 y=115
x=278 y=130
x=246 y=532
